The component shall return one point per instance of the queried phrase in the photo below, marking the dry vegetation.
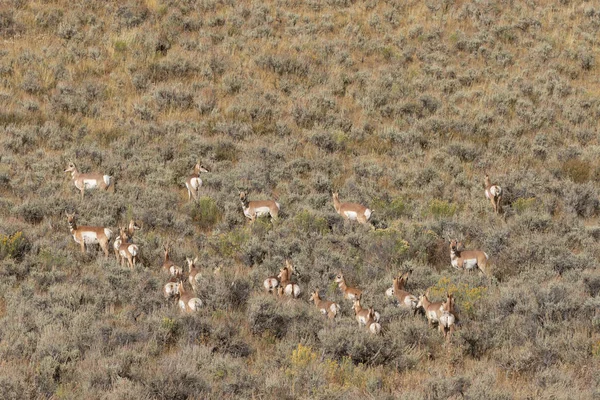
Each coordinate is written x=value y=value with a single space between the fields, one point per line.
x=400 y=105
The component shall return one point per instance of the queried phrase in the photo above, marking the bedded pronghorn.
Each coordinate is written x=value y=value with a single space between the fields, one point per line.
x=86 y=235
x=433 y=310
x=405 y=299
x=350 y=293
x=187 y=301
x=351 y=211
x=169 y=265
x=253 y=209
x=171 y=288
x=362 y=314
x=493 y=194
x=127 y=251
x=89 y=180
x=467 y=259
x=193 y=182
x=286 y=286
x=130 y=231
x=447 y=319
x=328 y=308
x=372 y=325
x=194 y=275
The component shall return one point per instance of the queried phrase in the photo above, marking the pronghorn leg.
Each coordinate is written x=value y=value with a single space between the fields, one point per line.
x=82 y=246
x=498 y=205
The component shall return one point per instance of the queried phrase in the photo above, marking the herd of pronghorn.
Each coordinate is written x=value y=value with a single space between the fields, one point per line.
x=442 y=313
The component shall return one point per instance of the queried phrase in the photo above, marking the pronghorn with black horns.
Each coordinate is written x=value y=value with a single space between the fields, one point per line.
x=130 y=232
x=351 y=211
x=328 y=308
x=193 y=183
x=467 y=259
x=493 y=192
x=89 y=180
x=259 y=208
x=86 y=235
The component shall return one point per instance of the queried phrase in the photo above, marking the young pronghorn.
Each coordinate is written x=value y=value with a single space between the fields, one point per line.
x=194 y=275
x=350 y=293
x=433 y=310
x=171 y=288
x=362 y=314
x=405 y=299
x=372 y=325
x=127 y=251
x=286 y=286
x=493 y=194
x=351 y=211
x=130 y=231
x=328 y=308
x=253 y=209
x=467 y=259
x=187 y=301
x=88 y=181
x=448 y=318
x=85 y=235
x=193 y=182
x=169 y=265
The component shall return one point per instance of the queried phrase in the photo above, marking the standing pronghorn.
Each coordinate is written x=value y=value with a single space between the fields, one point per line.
x=286 y=286
x=85 y=235
x=130 y=231
x=351 y=211
x=362 y=314
x=89 y=180
x=350 y=293
x=193 y=182
x=494 y=194
x=405 y=299
x=253 y=209
x=433 y=310
x=328 y=308
x=448 y=318
x=467 y=259
x=187 y=301
x=194 y=275
x=372 y=325
x=169 y=265
x=127 y=251
x=171 y=288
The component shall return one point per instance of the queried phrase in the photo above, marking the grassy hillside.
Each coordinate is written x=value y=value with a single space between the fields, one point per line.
x=403 y=106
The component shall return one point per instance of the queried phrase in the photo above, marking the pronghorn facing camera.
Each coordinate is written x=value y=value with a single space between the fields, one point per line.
x=447 y=319
x=433 y=310
x=171 y=288
x=187 y=301
x=169 y=265
x=362 y=314
x=130 y=231
x=467 y=259
x=85 y=235
x=89 y=180
x=372 y=325
x=494 y=194
x=350 y=293
x=328 y=308
x=193 y=182
x=127 y=251
x=253 y=209
x=405 y=299
x=194 y=275
x=351 y=211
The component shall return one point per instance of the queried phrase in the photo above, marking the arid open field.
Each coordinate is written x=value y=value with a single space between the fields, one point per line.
x=402 y=106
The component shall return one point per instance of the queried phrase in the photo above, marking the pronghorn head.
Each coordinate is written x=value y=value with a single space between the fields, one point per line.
x=314 y=296
x=339 y=278
x=336 y=196
x=133 y=226
x=454 y=245
x=244 y=198
x=191 y=262
x=487 y=180
x=356 y=303
x=166 y=250
x=71 y=219
x=71 y=167
x=421 y=298
x=199 y=168
x=284 y=274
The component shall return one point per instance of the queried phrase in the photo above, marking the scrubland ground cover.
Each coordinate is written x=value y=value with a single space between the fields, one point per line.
x=399 y=105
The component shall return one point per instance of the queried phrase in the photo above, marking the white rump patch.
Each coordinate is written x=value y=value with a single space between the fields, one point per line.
x=171 y=289
x=411 y=301
x=108 y=233
x=389 y=292
x=375 y=328
x=107 y=180
x=175 y=270
x=367 y=214
x=271 y=283
x=194 y=304
x=447 y=319
x=133 y=249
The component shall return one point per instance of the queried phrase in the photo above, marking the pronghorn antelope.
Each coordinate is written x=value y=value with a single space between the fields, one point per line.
x=467 y=259
x=89 y=180
x=271 y=284
x=253 y=209
x=193 y=182
x=494 y=194
x=171 y=288
x=127 y=251
x=328 y=308
x=286 y=286
x=350 y=293
x=351 y=211
x=169 y=265
x=405 y=299
x=130 y=231
x=194 y=275
x=433 y=310
x=362 y=314
x=372 y=325
x=85 y=235
x=187 y=301
x=448 y=317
